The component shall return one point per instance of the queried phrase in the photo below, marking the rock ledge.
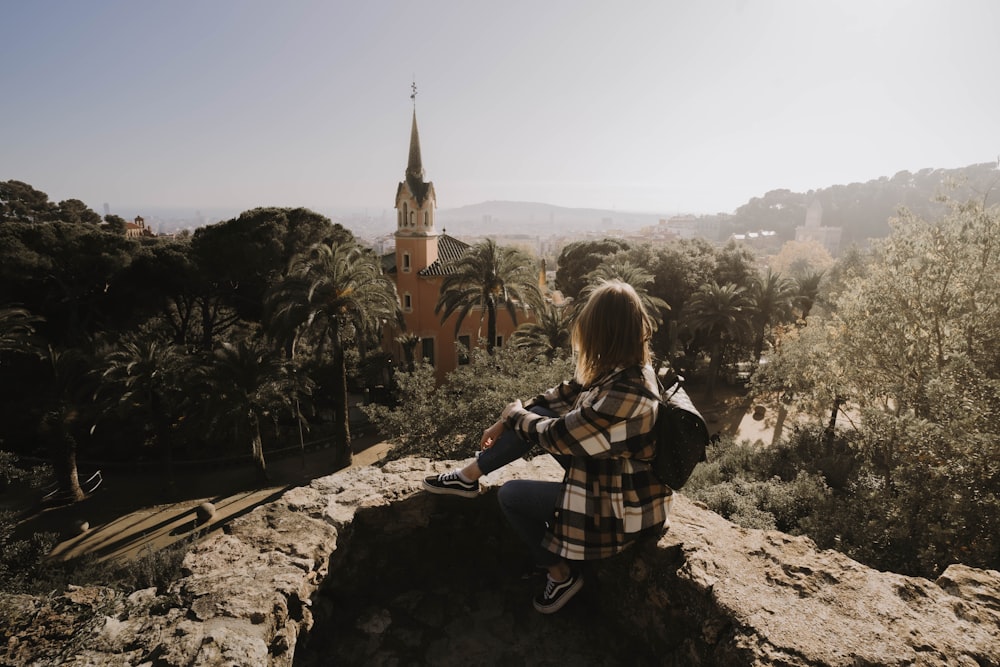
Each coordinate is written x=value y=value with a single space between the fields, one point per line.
x=280 y=584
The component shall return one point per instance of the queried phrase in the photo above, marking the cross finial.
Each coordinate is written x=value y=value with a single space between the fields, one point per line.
x=413 y=93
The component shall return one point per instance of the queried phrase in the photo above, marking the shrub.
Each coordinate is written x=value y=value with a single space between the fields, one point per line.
x=767 y=504
x=447 y=421
x=21 y=561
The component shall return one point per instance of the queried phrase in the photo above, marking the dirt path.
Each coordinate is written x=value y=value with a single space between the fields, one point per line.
x=128 y=516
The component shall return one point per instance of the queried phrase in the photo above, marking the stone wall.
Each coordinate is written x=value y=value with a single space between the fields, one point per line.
x=362 y=568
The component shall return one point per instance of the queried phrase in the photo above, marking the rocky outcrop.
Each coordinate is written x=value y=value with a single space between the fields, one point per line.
x=362 y=568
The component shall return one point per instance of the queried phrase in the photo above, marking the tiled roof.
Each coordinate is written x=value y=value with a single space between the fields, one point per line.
x=450 y=249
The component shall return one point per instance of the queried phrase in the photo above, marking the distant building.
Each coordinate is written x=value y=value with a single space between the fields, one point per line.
x=813 y=230
x=418 y=265
x=763 y=241
x=137 y=228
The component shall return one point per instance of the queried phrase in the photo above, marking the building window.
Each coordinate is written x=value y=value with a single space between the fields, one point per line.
x=427 y=219
x=464 y=345
x=406 y=262
x=412 y=223
x=402 y=220
x=499 y=341
x=427 y=350
x=407 y=302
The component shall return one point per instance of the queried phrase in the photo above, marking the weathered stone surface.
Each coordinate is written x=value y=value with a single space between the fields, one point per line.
x=362 y=568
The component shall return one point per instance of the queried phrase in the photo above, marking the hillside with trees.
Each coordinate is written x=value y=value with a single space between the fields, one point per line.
x=149 y=351
x=143 y=351
x=863 y=210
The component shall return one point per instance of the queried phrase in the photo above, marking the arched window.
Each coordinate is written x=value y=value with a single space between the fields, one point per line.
x=406 y=262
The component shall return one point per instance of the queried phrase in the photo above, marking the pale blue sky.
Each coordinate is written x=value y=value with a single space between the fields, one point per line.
x=658 y=106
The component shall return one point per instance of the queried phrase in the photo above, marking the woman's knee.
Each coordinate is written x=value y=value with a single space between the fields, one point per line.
x=507 y=493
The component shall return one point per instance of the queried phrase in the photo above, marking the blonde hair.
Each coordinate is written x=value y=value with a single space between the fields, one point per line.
x=613 y=329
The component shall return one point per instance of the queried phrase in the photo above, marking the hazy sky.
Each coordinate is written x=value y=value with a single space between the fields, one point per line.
x=658 y=106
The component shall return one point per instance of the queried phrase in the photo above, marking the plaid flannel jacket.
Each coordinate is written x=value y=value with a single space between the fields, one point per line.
x=609 y=493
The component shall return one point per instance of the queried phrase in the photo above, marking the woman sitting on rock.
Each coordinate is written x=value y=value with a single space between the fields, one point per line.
x=599 y=426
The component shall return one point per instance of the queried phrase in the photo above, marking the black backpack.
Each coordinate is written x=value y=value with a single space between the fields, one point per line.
x=681 y=435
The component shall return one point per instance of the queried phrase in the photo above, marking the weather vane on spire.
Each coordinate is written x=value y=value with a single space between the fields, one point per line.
x=413 y=88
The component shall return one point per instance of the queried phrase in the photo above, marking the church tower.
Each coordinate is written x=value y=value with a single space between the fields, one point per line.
x=416 y=236
x=422 y=259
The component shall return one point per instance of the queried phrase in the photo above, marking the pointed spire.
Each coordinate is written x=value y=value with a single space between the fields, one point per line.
x=418 y=187
x=415 y=168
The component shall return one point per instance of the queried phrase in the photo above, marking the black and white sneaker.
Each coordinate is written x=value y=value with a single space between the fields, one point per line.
x=450 y=484
x=558 y=593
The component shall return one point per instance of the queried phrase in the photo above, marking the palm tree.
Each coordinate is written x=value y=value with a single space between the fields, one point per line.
x=636 y=276
x=723 y=314
x=488 y=276
x=808 y=291
x=70 y=384
x=408 y=342
x=548 y=336
x=333 y=294
x=772 y=297
x=147 y=377
x=245 y=384
x=17 y=331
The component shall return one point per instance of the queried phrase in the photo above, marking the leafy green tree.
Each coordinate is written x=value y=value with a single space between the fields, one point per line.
x=804 y=375
x=772 y=297
x=19 y=202
x=549 y=335
x=580 y=258
x=488 y=276
x=907 y=358
x=332 y=294
x=735 y=264
x=76 y=212
x=167 y=282
x=238 y=259
x=69 y=274
x=723 y=314
x=245 y=385
x=679 y=269
x=800 y=258
x=116 y=224
x=924 y=306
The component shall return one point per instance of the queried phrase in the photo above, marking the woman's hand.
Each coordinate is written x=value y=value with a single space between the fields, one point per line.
x=491 y=434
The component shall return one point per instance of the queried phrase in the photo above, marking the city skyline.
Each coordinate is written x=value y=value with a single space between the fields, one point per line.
x=657 y=107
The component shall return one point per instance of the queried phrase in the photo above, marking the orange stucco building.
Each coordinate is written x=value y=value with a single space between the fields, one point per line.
x=418 y=266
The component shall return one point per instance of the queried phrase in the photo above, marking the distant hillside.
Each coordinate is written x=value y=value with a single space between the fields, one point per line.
x=511 y=217
x=863 y=210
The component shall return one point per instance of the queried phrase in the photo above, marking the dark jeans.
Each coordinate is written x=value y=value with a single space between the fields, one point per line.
x=529 y=505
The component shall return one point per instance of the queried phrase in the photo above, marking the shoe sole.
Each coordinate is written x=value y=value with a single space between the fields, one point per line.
x=563 y=599
x=448 y=492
